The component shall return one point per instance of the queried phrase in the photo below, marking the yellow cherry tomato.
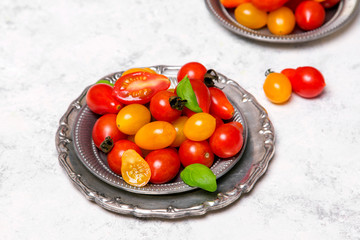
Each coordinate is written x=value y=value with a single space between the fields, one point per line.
x=132 y=117
x=132 y=70
x=277 y=88
x=199 y=126
x=248 y=15
x=134 y=169
x=179 y=127
x=155 y=135
x=281 y=21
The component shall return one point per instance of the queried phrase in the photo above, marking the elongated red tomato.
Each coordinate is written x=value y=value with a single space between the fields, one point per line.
x=220 y=104
x=105 y=132
x=139 y=87
x=308 y=82
x=202 y=94
x=114 y=158
x=100 y=100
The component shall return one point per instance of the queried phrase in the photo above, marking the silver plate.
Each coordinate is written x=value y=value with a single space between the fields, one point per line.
x=336 y=18
x=239 y=179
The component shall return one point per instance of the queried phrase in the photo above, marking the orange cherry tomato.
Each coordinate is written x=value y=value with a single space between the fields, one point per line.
x=199 y=126
x=132 y=117
x=179 y=127
x=155 y=135
x=281 y=21
x=248 y=15
x=277 y=88
x=134 y=169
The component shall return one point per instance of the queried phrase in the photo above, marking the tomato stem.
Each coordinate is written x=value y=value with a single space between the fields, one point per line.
x=177 y=103
x=210 y=77
x=268 y=72
x=107 y=145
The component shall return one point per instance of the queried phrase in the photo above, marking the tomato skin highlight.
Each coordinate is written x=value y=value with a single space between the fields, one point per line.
x=105 y=132
x=114 y=157
x=139 y=87
x=220 y=104
x=191 y=152
x=155 y=135
x=164 y=165
x=194 y=71
x=308 y=82
x=268 y=5
x=100 y=100
x=161 y=109
x=226 y=141
x=309 y=15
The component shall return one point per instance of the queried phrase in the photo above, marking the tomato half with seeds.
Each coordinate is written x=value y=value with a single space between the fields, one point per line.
x=114 y=157
x=105 y=132
x=134 y=169
x=139 y=87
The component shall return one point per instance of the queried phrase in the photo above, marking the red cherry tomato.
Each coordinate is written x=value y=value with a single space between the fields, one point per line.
x=308 y=82
x=292 y=4
x=191 y=152
x=220 y=104
x=268 y=5
x=139 y=87
x=233 y=3
x=193 y=70
x=164 y=165
x=330 y=3
x=202 y=94
x=114 y=156
x=238 y=125
x=309 y=15
x=289 y=73
x=166 y=106
x=105 y=132
x=226 y=141
x=100 y=100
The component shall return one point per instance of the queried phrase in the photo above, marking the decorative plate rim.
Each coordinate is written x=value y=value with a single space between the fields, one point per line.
x=345 y=12
x=63 y=140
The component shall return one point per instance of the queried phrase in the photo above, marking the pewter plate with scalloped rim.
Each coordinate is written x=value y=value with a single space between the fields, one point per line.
x=96 y=161
x=336 y=18
x=240 y=179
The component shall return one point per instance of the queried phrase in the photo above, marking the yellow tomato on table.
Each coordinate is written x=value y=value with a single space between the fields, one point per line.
x=277 y=88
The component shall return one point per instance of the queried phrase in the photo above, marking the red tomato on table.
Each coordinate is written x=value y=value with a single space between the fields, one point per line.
x=308 y=82
x=139 y=87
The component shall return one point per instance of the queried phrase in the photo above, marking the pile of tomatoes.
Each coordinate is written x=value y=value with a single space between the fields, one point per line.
x=307 y=82
x=280 y=16
x=150 y=133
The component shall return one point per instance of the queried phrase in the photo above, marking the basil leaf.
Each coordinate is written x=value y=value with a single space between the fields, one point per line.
x=198 y=175
x=185 y=91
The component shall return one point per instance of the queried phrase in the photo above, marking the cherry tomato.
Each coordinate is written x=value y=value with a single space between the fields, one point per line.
x=115 y=155
x=105 y=132
x=226 y=141
x=179 y=128
x=100 y=100
x=233 y=3
x=155 y=135
x=132 y=117
x=134 y=169
x=164 y=165
x=220 y=104
x=199 y=126
x=277 y=88
x=309 y=15
x=202 y=94
x=292 y=4
x=166 y=106
x=191 y=152
x=289 y=73
x=248 y=15
x=193 y=70
x=281 y=21
x=308 y=82
x=132 y=70
x=219 y=121
x=238 y=125
x=329 y=3
x=268 y=5
x=139 y=87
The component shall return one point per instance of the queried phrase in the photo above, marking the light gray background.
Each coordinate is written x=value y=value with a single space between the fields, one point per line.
x=51 y=50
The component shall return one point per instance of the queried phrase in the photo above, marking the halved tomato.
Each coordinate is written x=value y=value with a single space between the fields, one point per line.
x=139 y=87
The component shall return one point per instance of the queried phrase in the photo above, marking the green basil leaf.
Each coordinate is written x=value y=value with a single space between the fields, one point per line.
x=105 y=81
x=185 y=91
x=198 y=175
